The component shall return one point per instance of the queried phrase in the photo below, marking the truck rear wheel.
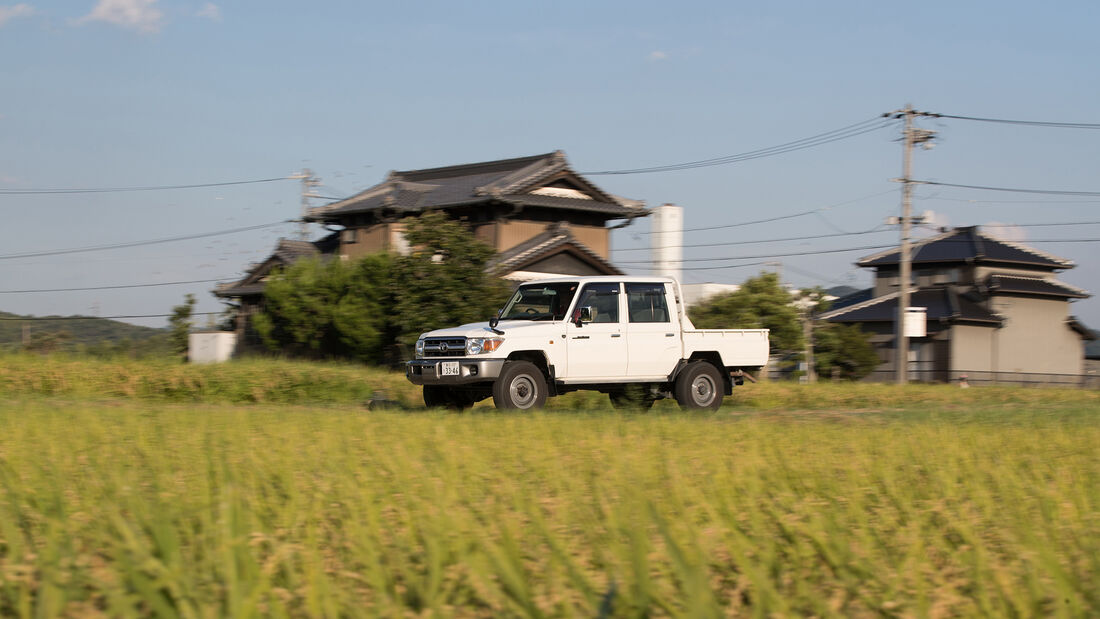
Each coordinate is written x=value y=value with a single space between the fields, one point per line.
x=699 y=387
x=521 y=386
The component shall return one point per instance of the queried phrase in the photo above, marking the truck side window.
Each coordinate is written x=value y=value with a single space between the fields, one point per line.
x=604 y=301
x=646 y=303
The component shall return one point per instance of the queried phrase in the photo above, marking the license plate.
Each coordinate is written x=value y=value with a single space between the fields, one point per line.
x=448 y=368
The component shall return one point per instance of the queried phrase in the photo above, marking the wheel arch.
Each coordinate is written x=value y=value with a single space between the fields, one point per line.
x=538 y=358
x=712 y=357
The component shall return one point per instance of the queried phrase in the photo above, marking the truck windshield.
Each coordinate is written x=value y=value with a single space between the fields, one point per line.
x=540 y=302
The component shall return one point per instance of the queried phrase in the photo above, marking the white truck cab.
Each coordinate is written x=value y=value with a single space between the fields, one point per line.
x=628 y=337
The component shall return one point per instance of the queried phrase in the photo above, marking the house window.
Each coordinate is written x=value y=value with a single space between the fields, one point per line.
x=351 y=235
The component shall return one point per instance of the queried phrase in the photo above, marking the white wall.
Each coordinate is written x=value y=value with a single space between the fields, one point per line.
x=667 y=240
x=211 y=346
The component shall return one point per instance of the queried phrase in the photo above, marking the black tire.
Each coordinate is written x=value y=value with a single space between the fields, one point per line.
x=699 y=387
x=462 y=399
x=631 y=398
x=437 y=396
x=520 y=386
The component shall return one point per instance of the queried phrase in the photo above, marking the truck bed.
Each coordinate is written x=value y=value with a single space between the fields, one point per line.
x=746 y=348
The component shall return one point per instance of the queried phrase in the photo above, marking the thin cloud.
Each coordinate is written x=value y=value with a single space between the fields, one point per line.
x=8 y=13
x=210 y=11
x=140 y=15
x=657 y=55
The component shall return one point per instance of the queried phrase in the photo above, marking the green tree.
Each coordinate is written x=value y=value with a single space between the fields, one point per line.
x=443 y=281
x=329 y=308
x=180 y=322
x=760 y=303
x=844 y=348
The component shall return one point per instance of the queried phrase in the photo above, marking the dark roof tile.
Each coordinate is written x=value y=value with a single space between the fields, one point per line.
x=966 y=245
x=1011 y=284
x=940 y=303
x=477 y=183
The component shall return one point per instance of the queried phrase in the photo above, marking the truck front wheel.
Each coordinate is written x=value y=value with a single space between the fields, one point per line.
x=520 y=385
x=699 y=387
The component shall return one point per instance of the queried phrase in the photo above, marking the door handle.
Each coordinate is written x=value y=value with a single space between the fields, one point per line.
x=670 y=335
x=616 y=335
x=580 y=337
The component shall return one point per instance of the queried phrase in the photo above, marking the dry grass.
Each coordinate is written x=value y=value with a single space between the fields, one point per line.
x=141 y=508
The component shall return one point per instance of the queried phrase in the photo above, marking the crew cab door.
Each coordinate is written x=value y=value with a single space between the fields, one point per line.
x=653 y=334
x=597 y=349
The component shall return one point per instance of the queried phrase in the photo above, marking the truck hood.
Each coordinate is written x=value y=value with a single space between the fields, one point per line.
x=509 y=327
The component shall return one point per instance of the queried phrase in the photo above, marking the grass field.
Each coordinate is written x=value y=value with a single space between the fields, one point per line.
x=127 y=506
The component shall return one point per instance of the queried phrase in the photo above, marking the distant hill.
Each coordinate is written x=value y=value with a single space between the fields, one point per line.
x=73 y=333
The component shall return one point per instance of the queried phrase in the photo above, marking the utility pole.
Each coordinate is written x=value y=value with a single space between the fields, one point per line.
x=808 y=336
x=308 y=183
x=911 y=137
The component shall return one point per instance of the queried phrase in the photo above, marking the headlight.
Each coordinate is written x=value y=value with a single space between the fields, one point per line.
x=479 y=345
x=420 y=348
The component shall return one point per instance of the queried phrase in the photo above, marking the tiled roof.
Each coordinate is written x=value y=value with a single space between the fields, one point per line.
x=506 y=180
x=543 y=245
x=1035 y=286
x=859 y=296
x=287 y=252
x=941 y=304
x=969 y=245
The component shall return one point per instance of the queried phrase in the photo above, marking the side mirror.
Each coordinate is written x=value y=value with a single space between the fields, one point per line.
x=583 y=315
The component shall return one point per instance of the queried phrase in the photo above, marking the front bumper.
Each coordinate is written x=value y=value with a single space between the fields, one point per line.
x=428 y=371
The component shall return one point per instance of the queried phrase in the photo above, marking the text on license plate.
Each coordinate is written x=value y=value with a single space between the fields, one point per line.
x=448 y=368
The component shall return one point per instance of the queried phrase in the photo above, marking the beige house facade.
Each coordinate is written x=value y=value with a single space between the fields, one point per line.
x=542 y=218
x=996 y=312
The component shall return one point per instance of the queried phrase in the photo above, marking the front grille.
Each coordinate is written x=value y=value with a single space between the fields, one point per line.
x=445 y=347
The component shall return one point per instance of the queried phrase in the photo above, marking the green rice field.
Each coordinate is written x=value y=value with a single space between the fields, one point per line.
x=931 y=502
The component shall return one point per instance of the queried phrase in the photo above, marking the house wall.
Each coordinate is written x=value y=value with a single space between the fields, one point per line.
x=368 y=240
x=513 y=232
x=1035 y=337
x=972 y=350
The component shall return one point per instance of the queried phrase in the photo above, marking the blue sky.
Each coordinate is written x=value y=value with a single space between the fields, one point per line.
x=115 y=93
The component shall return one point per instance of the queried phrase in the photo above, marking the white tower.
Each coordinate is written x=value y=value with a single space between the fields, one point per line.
x=666 y=242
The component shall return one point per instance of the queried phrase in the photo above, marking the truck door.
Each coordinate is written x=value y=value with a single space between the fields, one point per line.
x=653 y=337
x=597 y=349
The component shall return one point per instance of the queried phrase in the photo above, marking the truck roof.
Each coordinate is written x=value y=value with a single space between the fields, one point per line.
x=627 y=279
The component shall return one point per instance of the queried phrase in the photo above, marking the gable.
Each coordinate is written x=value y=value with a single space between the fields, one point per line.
x=564 y=263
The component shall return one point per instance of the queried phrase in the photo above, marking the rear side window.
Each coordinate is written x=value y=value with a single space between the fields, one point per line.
x=646 y=303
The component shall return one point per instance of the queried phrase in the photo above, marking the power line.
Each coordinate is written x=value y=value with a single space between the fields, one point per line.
x=23 y=192
x=781 y=217
x=187 y=237
x=728 y=266
x=55 y=318
x=1032 y=123
x=849 y=131
x=756 y=241
x=837 y=251
x=803 y=253
x=1043 y=202
x=1011 y=189
x=116 y=287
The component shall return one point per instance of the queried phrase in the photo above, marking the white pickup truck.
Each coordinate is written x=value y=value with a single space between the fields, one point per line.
x=628 y=337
